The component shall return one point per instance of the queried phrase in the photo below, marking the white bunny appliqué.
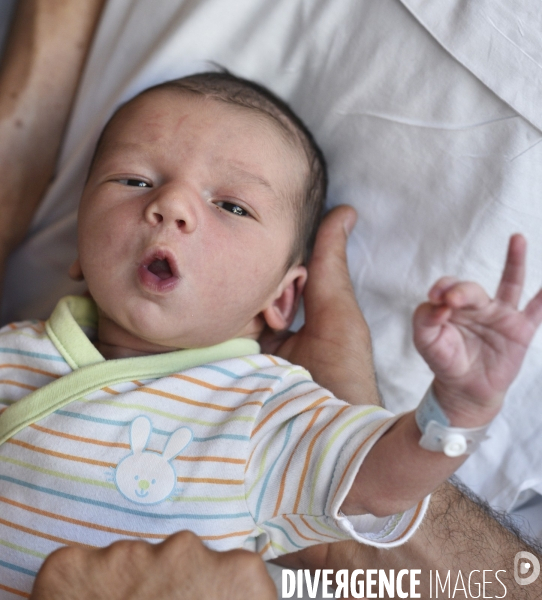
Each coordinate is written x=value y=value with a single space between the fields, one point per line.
x=148 y=477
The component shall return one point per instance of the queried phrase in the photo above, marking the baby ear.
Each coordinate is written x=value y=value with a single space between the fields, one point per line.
x=281 y=312
x=75 y=271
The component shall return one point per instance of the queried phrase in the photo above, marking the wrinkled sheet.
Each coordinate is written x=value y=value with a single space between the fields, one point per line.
x=429 y=115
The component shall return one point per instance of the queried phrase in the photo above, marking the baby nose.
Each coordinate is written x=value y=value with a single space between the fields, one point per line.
x=172 y=205
x=143 y=485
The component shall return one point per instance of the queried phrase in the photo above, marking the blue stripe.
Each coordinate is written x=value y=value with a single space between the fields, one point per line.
x=288 y=389
x=129 y=511
x=268 y=476
x=235 y=376
x=284 y=532
x=17 y=568
x=221 y=436
x=33 y=354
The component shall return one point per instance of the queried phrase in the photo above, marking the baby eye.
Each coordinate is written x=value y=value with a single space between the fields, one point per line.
x=133 y=182
x=233 y=208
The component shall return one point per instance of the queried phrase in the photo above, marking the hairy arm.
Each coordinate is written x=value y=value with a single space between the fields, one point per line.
x=460 y=535
x=42 y=62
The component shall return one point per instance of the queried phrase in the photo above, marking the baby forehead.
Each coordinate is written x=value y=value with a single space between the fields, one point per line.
x=169 y=108
x=193 y=122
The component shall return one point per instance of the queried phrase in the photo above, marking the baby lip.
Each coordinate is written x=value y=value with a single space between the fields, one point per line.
x=158 y=271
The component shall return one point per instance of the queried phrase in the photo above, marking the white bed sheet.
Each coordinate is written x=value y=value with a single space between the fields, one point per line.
x=429 y=115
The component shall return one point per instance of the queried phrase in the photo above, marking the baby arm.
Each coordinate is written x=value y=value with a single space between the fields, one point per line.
x=475 y=346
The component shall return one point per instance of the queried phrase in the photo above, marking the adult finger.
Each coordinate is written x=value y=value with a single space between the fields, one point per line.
x=329 y=281
x=513 y=276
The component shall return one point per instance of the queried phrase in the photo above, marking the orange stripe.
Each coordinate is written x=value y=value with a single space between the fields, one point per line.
x=56 y=517
x=110 y=391
x=276 y=410
x=315 y=530
x=32 y=369
x=88 y=461
x=309 y=453
x=14 y=591
x=233 y=461
x=17 y=383
x=194 y=402
x=218 y=388
x=12 y=326
x=272 y=359
x=299 y=532
x=76 y=438
x=283 y=478
x=250 y=459
x=36 y=329
x=355 y=455
x=45 y=536
x=225 y=535
x=265 y=549
x=210 y=480
x=411 y=522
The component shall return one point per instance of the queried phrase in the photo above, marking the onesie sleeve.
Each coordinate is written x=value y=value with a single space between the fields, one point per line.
x=306 y=449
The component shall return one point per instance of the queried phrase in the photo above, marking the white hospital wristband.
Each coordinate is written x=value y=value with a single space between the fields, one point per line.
x=438 y=436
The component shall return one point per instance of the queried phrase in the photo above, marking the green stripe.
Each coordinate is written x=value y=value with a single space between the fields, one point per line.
x=262 y=470
x=279 y=547
x=169 y=415
x=31 y=467
x=392 y=525
x=252 y=363
x=330 y=443
x=301 y=371
x=22 y=549
x=207 y=498
x=337 y=533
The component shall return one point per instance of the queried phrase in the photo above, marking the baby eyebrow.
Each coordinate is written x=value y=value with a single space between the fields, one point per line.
x=248 y=175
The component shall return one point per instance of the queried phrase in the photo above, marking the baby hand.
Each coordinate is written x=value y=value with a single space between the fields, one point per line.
x=474 y=344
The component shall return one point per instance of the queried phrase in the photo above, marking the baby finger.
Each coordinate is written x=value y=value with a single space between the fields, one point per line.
x=466 y=294
x=436 y=293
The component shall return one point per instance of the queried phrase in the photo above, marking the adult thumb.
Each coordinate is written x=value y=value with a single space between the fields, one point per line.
x=328 y=269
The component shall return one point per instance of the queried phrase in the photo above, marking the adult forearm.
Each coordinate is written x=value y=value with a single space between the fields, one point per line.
x=459 y=536
x=42 y=62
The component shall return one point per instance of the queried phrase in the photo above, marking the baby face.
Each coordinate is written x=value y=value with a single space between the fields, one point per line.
x=186 y=223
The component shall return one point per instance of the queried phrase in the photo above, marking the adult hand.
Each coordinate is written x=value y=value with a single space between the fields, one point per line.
x=334 y=345
x=180 y=568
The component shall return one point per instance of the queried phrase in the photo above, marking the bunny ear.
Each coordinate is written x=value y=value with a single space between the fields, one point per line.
x=177 y=442
x=140 y=432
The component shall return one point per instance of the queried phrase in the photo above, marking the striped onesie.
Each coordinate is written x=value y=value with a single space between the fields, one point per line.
x=242 y=448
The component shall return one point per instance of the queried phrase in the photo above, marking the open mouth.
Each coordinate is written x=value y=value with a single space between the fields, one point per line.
x=158 y=271
x=160 y=267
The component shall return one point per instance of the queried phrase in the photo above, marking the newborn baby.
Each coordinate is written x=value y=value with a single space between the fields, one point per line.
x=150 y=408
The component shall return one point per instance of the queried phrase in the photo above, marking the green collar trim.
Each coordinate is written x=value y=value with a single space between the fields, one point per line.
x=92 y=372
x=74 y=312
